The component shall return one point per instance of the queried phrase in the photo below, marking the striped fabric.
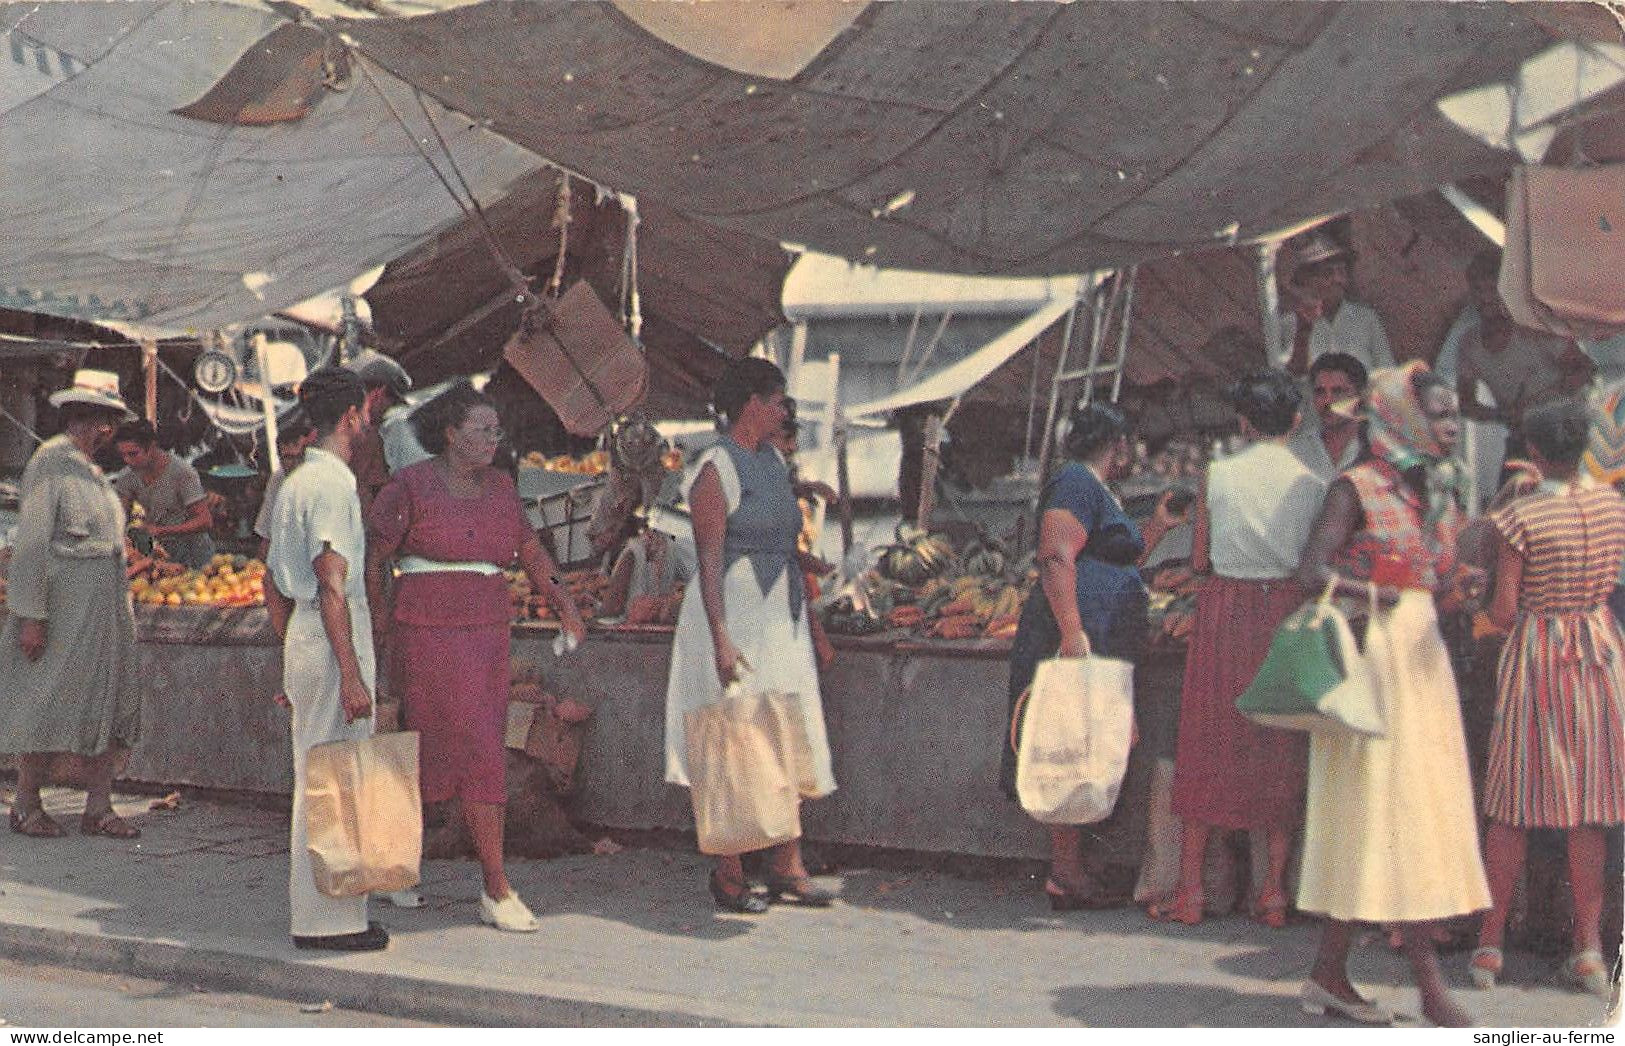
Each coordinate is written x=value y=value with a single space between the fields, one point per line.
x=1557 y=749
x=1393 y=526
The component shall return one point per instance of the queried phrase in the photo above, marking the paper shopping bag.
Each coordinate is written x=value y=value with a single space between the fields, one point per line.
x=1075 y=738
x=364 y=814
x=743 y=773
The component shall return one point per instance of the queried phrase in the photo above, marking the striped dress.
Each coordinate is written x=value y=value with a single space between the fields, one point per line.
x=1557 y=749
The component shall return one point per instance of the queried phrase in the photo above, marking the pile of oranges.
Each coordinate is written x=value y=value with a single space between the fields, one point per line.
x=232 y=581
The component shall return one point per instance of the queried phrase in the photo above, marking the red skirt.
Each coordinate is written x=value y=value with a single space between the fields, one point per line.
x=453 y=684
x=1230 y=772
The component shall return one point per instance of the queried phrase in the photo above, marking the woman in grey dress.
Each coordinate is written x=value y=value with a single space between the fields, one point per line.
x=67 y=649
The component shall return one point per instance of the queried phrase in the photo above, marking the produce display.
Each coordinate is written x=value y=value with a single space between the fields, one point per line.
x=585 y=587
x=919 y=585
x=228 y=581
x=593 y=464
x=1173 y=605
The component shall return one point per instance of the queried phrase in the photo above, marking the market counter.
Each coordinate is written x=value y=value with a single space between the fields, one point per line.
x=914 y=725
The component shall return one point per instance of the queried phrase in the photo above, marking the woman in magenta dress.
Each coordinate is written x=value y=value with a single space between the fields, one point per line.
x=451 y=524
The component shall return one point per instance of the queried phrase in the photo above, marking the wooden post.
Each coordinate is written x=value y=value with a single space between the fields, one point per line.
x=932 y=439
x=843 y=488
x=149 y=370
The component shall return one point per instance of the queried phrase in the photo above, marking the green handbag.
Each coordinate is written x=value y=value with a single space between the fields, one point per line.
x=1314 y=676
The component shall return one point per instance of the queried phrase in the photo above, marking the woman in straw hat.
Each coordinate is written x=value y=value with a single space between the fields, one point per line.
x=67 y=649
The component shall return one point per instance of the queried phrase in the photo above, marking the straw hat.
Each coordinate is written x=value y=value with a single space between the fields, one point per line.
x=93 y=388
x=1319 y=246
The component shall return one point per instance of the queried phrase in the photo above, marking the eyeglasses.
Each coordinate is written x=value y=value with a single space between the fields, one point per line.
x=493 y=433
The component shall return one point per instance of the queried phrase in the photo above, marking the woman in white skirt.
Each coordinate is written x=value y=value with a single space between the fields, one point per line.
x=747 y=611
x=1390 y=832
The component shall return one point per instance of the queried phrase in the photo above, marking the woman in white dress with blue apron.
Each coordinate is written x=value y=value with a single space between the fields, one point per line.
x=748 y=609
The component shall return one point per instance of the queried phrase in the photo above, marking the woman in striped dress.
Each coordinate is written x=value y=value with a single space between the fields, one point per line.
x=1557 y=749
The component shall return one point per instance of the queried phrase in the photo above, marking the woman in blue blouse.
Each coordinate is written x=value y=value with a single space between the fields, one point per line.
x=1090 y=600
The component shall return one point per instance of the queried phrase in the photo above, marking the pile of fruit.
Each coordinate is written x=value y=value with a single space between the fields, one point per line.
x=594 y=464
x=584 y=586
x=655 y=610
x=228 y=581
x=1172 y=605
x=919 y=585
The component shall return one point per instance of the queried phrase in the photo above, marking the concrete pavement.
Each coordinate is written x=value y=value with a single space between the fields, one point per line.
x=632 y=939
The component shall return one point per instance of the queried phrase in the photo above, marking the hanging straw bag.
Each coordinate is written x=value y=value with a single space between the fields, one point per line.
x=749 y=765
x=364 y=814
x=1075 y=737
x=1314 y=676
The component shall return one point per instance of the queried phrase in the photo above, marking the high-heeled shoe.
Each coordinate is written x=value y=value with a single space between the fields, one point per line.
x=1484 y=967
x=1587 y=972
x=744 y=902
x=1269 y=909
x=1063 y=900
x=800 y=891
x=1182 y=908
x=1318 y=1001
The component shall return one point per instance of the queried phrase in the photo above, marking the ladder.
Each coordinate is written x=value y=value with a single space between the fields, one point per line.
x=1111 y=308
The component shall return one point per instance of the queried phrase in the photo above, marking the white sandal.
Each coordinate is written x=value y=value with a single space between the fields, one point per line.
x=508 y=914
x=404 y=898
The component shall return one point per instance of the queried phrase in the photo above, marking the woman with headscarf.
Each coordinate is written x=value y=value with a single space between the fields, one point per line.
x=1390 y=833
x=1557 y=749
x=67 y=651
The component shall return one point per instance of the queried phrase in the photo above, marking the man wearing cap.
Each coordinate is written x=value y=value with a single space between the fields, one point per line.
x=318 y=605
x=1322 y=319
x=388 y=445
x=67 y=650
x=169 y=490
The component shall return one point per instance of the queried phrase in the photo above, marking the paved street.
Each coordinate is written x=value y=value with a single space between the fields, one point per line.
x=33 y=996
x=631 y=939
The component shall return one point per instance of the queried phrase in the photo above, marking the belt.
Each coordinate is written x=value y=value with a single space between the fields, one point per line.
x=420 y=565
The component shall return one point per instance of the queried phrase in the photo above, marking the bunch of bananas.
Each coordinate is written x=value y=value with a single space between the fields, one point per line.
x=916 y=556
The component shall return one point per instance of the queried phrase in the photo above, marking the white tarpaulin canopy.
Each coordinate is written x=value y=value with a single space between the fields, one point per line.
x=953 y=380
x=117 y=208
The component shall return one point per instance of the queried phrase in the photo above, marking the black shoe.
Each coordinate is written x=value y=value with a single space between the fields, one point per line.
x=744 y=902
x=798 y=891
x=373 y=939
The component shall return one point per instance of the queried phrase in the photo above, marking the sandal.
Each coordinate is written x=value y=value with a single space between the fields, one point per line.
x=37 y=824
x=742 y=901
x=1485 y=966
x=1182 y=909
x=1587 y=972
x=109 y=824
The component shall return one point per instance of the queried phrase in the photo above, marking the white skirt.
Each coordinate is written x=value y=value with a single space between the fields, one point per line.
x=1390 y=832
x=778 y=649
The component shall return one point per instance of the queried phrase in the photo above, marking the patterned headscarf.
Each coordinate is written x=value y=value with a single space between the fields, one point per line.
x=1605 y=448
x=1401 y=434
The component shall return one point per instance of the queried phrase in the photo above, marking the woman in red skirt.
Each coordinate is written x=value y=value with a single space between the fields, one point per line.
x=1252 y=521
x=451 y=524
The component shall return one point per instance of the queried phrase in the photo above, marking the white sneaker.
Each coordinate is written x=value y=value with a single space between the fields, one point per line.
x=405 y=899
x=508 y=914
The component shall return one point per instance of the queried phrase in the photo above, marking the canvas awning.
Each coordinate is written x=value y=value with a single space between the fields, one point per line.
x=953 y=381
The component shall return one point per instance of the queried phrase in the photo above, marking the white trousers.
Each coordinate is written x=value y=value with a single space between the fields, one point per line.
x=310 y=678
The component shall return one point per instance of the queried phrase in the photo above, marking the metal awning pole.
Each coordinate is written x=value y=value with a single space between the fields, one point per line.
x=267 y=405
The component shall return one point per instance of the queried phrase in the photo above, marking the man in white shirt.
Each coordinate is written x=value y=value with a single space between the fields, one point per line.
x=1332 y=445
x=1322 y=319
x=318 y=605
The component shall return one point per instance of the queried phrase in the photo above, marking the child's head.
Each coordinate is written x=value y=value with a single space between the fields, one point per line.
x=1558 y=431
